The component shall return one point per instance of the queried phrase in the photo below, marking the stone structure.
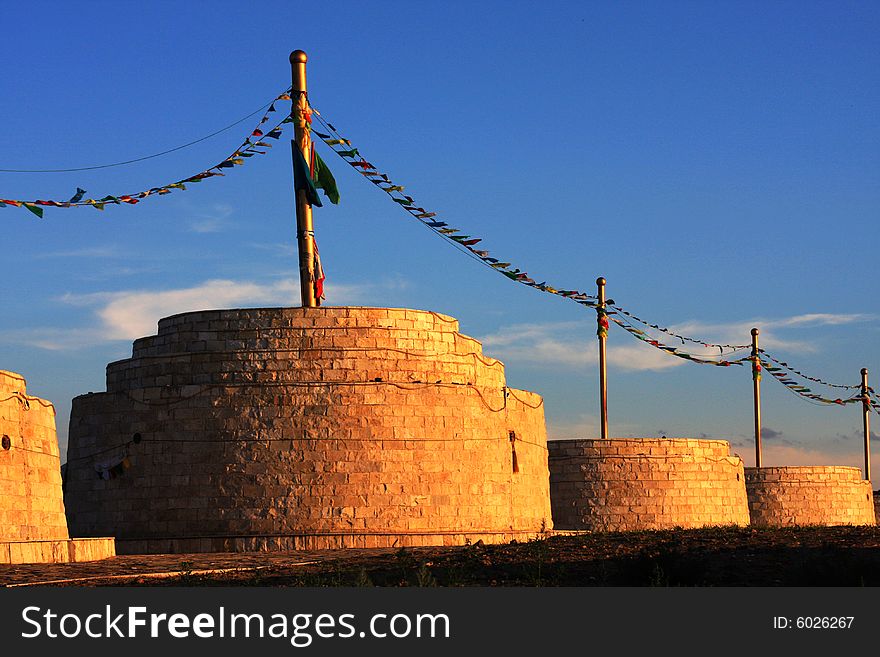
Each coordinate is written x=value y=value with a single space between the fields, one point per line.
x=33 y=527
x=877 y=507
x=290 y=428
x=645 y=483
x=809 y=495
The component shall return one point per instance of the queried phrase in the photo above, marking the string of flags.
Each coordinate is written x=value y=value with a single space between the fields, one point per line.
x=112 y=468
x=782 y=373
x=709 y=345
x=344 y=148
x=788 y=367
x=352 y=155
x=256 y=143
x=674 y=351
x=874 y=400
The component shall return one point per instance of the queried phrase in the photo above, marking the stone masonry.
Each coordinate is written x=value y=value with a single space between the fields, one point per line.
x=31 y=507
x=33 y=527
x=809 y=495
x=288 y=428
x=645 y=483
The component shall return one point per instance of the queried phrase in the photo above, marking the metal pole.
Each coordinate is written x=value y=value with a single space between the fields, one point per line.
x=603 y=375
x=756 y=380
x=866 y=420
x=304 y=230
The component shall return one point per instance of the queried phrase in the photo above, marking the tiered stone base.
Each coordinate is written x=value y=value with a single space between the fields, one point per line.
x=645 y=483
x=809 y=495
x=59 y=551
x=281 y=428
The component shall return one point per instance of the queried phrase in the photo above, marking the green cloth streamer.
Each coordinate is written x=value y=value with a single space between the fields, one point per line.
x=324 y=180
x=301 y=178
x=33 y=208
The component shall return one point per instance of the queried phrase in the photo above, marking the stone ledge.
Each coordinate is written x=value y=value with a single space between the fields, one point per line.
x=57 y=551
x=317 y=541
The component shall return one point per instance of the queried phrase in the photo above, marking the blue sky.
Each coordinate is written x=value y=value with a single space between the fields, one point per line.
x=718 y=163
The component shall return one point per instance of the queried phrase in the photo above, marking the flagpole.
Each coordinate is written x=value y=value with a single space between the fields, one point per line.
x=756 y=396
x=866 y=422
x=603 y=376
x=305 y=233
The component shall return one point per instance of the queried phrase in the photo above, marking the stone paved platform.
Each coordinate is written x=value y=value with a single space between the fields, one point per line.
x=166 y=565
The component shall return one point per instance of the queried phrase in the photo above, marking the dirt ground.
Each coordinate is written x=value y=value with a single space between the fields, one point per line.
x=805 y=556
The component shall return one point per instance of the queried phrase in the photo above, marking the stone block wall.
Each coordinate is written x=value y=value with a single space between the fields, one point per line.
x=321 y=427
x=645 y=483
x=809 y=495
x=31 y=506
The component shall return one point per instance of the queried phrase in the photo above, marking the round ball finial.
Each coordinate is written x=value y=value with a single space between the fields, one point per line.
x=298 y=57
x=755 y=331
x=600 y=281
x=864 y=371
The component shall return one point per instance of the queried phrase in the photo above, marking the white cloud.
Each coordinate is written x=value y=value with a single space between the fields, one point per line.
x=128 y=315
x=213 y=221
x=131 y=314
x=570 y=344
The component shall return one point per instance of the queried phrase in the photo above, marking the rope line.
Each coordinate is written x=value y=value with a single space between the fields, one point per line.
x=146 y=157
x=25 y=400
x=401 y=385
x=247 y=149
x=488 y=362
x=226 y=441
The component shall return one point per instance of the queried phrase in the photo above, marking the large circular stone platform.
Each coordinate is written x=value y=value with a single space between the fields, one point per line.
x=809 y=495
x=287 y=428
x=33 y=527
x=625 y=484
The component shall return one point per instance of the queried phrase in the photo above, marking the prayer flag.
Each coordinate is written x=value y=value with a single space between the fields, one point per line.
x=302 y=179
x=324 y=179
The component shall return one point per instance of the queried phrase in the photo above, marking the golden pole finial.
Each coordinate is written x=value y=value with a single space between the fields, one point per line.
x=756 y=382
x=866 y=422
x=305 y=235
x=602 y=332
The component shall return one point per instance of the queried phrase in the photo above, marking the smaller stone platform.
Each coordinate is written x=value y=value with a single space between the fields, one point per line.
x=33 y=528
x=809 y=495
x=628 y=484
